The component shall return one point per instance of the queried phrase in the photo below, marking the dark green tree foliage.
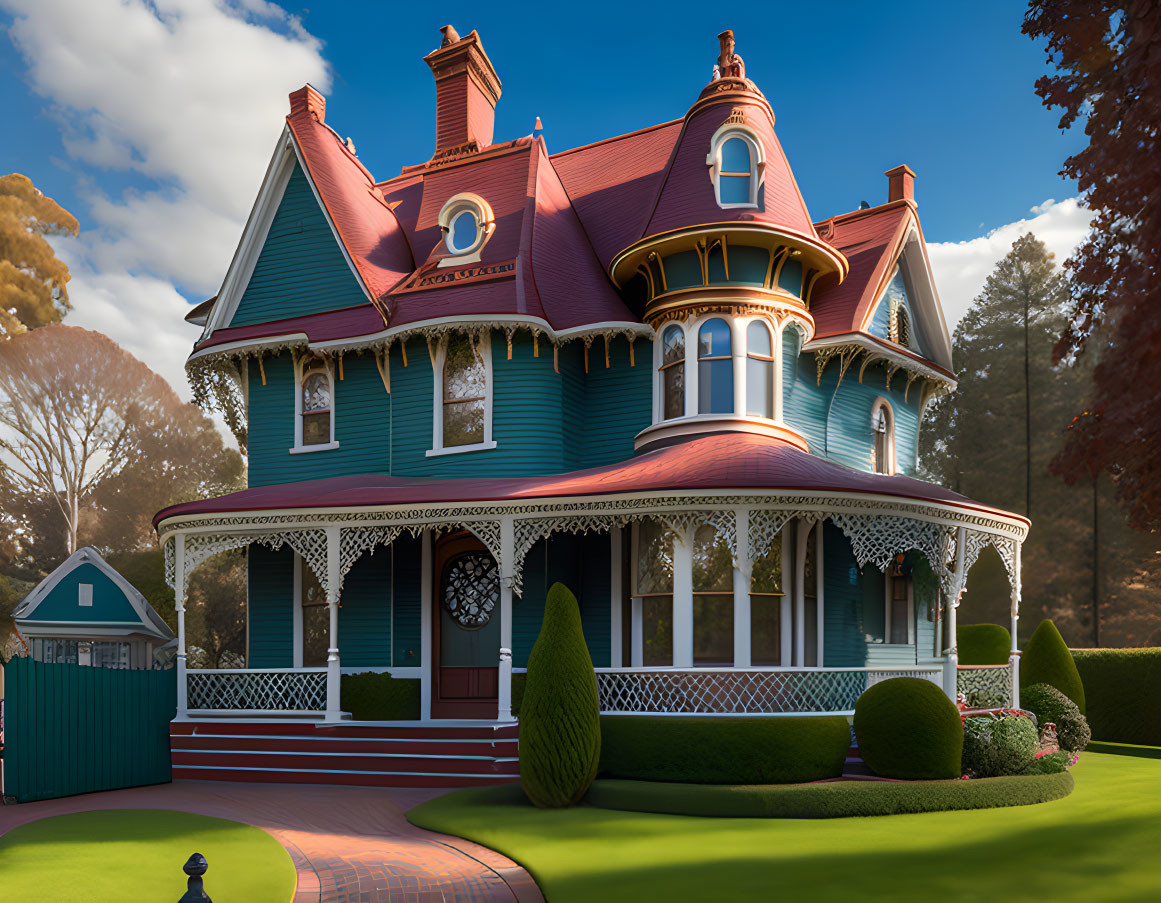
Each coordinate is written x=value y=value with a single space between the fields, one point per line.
x=907 y=728
x=997 y=746
x=1049 y=705
x=560 y=727
x=1046 y=660
x=983 y=644
x=973 y=441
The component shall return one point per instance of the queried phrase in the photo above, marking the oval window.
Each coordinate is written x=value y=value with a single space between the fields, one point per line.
x=463 y=232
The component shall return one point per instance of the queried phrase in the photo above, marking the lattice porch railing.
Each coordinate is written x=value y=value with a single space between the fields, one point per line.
x=985 y=686
x=270 y=690
x=741 y=690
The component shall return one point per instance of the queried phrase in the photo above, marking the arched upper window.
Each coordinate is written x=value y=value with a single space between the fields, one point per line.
x=315 y=405
x=902 y=326
x=672 y=373
x=736 y=165
x=883 y=426
x=467 y=222
x=759 y=370
x=464 y=392
x=715 y=368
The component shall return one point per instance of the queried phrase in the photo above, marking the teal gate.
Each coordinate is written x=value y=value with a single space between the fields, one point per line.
x=73 y=729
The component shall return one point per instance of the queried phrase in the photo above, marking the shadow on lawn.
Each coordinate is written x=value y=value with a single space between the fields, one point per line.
x=132 y=826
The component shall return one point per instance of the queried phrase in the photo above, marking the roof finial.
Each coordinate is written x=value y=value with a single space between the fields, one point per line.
x=450 y=35
x=538 y=129
x=729 y=64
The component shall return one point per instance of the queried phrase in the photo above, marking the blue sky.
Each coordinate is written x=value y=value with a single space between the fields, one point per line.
x=153 y=122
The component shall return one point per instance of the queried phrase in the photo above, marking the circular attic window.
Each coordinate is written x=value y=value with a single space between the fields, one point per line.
x=467 y=223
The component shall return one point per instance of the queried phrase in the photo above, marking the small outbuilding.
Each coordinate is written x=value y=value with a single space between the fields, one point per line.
x=85 y=613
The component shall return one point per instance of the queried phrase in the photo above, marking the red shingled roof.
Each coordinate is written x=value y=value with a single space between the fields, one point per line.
x=723 y=461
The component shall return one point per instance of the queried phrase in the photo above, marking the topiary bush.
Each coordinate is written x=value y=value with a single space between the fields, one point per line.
x=1049 y=763
x=1046 y=660
x=560 y=727
x=907 y=728
x=983 y=644
x=1122 y=693
x=379 y=697
x=1048 y=704
x=695 y=750
x=994 y=746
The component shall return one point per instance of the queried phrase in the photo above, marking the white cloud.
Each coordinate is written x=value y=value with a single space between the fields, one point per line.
x=191 y=96
x=960 y=267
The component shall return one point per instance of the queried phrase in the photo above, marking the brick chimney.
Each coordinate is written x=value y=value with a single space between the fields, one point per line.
x=466 y=91
x=307 y=100
x=900 y=183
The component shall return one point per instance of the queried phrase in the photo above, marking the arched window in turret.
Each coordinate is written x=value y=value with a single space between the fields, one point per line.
x=736 y=164
x=672 y=372
x=315 y=406
x=883 y=427
x=715 y=368
x=759 y=370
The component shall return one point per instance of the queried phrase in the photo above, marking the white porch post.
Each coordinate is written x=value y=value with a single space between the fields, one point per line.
x=785 y=604
x=425 y=615
x=179 y=604
x=743 y=568
x=334 y=695
x=1015 y=656
x=951 y=662
x=801 y=535
x=683 y=599
x=616 y=593
x=819 y=601
x=507 y=566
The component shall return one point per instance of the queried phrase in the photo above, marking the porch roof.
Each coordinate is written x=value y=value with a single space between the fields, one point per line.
x=725 y=461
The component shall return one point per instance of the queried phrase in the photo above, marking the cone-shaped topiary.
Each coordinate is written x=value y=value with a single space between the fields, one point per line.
x=560 y=725
x=907 y=728
x=1046 y=660
x=983 y=644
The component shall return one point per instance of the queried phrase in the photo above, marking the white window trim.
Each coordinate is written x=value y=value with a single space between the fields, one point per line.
x=300 y=371
x=882 y=403
x=485 y=220
x=757 y=162
x=438 y=359
x=85 y=595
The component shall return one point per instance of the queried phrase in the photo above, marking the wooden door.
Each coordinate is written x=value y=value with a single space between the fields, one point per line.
x=466 y=630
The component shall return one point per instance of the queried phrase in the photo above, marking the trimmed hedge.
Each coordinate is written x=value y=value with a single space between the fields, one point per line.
x=725 y=750
x=379 y=697
x=836 y=799
x=518 y=683
x=1046 y=660
x=560 y=730
x=907 y=728
x=1048 y=704
x=1050 y=763
x=1122 y=689
x=994 y=747
x=983 y=644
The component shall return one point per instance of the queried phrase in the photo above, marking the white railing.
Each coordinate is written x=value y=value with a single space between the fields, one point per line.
x=742 y=691
x=985 y=686
x=257 y=690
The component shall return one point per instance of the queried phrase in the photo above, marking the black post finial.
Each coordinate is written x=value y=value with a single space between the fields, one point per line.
x=195 y=867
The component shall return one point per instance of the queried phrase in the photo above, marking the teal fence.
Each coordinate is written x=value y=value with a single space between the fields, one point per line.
x=73 y=729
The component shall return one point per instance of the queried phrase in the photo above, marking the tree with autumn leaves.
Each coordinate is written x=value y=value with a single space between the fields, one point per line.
x=1107 y=57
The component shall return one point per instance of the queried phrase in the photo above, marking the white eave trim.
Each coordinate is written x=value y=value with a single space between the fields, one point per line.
x=875 y=348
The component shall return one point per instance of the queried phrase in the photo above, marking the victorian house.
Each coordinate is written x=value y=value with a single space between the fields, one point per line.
x=640 y=367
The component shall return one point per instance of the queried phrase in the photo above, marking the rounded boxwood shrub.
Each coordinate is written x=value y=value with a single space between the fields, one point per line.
x=997 y=746
x=724 y=750
x=907 y=728
x=1048 y=704
x=1047 y=660
x=560 y=726
x=983 y=644
x=1049 y=763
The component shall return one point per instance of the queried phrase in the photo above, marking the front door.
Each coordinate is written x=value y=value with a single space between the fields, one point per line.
x=466 y=630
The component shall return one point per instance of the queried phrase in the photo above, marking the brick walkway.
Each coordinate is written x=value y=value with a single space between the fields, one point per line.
x=349 y=844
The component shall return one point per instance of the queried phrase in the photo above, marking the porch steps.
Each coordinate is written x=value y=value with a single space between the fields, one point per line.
x=380 y=755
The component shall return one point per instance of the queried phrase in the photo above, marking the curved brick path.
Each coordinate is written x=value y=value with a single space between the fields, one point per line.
x=349 y=844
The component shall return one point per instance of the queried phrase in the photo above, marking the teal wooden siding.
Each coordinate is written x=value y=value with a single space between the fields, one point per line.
x=843 y=644
x=406 y=603
x=365 y=613
x=270 y=634
x=849 y=437
x=804 y=403
x=109 y=602
x=582 y=564
x=72 y=729
x=618 y=402
x=362 y=412
x=301 y=269
x=880 y=324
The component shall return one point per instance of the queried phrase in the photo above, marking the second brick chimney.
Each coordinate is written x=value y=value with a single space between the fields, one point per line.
x=466 y=91
x=900 y=183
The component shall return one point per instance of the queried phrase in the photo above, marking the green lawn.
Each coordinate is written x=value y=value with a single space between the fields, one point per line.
x=1102 y=843
x=129 y=854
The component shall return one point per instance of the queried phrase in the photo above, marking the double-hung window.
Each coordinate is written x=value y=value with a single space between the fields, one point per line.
x=463 y=399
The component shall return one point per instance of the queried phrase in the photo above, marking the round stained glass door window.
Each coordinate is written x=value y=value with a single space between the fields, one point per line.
x=471 y=589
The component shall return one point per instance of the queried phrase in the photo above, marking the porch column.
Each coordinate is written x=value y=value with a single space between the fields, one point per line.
x=616 y=594
x=819 y=601
x=951 y=662
x=1014 y=658
x=426 y=661
x=179 y=604
x=334 y=695
x=683 y=599
x=743 y=567
x=507 y=565
x=801 y=535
